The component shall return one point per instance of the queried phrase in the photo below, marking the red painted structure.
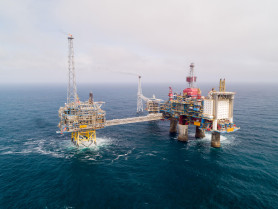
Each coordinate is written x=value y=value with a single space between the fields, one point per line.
x=170 y=93
x=192 y=92
x=191 y=79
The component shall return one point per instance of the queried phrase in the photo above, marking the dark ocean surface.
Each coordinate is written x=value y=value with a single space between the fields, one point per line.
x=136 y=165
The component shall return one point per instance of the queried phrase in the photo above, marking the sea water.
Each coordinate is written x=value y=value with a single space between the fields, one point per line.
x=135 y=165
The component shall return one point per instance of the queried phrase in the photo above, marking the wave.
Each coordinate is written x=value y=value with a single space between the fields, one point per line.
x=123 y=155
x=52 y=146
x=225 y=140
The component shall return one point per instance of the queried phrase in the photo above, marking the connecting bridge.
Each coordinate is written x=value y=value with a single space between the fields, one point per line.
x=150 y=117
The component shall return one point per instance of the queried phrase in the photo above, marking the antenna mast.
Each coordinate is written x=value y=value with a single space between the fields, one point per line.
x=139 y=97
x=72 y=92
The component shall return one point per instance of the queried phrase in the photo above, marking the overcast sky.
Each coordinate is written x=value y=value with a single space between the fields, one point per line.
x=236 y=40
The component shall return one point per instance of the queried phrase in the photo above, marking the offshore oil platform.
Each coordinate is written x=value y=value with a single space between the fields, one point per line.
x=213 y=113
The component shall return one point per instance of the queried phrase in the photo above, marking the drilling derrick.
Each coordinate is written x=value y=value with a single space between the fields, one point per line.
x=191 y=79
x=81 y=119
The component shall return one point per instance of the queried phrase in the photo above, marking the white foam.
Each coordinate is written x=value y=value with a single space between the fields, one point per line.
x=16 y=152
x=150 y=154
x=100 y=143
x=52 y=146
x=225 y=140
x=123 y=155
x=7 y=153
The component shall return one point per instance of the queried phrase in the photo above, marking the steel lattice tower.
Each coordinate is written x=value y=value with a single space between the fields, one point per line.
x=139 y=97
x=191 y=78
x=72 y=92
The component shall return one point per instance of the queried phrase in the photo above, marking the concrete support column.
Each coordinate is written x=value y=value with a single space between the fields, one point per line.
x=173 y=125
x=199 y=133
x=215 y=139
x=183 y=133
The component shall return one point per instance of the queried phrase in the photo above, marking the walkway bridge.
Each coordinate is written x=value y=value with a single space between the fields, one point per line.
x=150 y=117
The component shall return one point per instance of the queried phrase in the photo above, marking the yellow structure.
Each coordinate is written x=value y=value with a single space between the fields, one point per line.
x=222 y=85
x=79 y=137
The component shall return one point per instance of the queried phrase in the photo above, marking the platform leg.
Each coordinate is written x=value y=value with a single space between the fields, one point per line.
x=215 y=139
x=199 y=133
x=183 y=133
x=173 y=125
x=83 y=136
